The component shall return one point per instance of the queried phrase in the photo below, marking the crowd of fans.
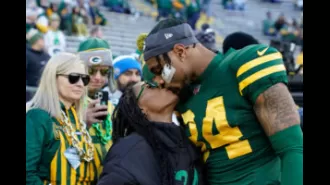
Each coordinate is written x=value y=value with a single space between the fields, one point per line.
x=91 y=101
x=290 y=30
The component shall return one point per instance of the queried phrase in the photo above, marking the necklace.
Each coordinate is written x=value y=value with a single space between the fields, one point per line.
x=70 y=132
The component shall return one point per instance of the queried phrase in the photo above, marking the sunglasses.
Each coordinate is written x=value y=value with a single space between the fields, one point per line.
x=74 y=78
x=147 y=84
x=93 y=71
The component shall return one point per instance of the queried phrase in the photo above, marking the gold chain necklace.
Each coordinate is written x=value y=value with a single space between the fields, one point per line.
x=70 y=132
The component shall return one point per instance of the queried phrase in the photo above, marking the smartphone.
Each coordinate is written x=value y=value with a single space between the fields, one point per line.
x=103 y=96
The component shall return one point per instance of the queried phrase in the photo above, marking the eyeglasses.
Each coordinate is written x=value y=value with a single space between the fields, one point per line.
x=93 y=71
x=74 y=78
x=147 y=84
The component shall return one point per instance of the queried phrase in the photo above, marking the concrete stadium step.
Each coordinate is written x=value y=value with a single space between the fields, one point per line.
x=128 y=34
x=121 y=32
x=112 y=44
x=140 y=28
x=110 y=38
x=115 y=50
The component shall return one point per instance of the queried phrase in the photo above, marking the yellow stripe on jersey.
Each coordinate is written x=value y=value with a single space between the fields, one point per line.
x=75 y=118
x=253 y=63
x=110 y=107
x=63 y=162
x=53 y=166
x=97 y=161
x=73 y=177
x=82 y=167
x=238 y=149
x=260 y=74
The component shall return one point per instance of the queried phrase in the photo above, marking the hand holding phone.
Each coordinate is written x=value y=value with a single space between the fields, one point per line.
x=103 y=96
x=97 y=110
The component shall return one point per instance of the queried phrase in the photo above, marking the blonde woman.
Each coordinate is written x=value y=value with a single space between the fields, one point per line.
x=59 y=150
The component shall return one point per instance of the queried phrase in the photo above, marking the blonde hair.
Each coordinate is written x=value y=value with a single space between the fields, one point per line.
x=47 y=95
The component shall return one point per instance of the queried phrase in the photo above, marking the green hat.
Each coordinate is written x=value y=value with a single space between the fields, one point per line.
x=33 y=36
x=93 y=44
x=147 y=74
x=95 y=51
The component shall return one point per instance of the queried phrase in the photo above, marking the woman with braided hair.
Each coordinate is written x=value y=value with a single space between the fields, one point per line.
x=147 y=147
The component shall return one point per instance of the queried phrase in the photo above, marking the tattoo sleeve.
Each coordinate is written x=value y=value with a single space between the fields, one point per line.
x=276 y=109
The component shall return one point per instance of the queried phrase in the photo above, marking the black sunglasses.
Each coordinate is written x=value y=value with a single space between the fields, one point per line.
x=74 y=78
x=93 y=71
x=148 y=84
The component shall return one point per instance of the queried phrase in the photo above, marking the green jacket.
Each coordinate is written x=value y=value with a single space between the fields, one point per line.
x=266 y=25
x=164 y=4
x=46 y=144
x=193 y=7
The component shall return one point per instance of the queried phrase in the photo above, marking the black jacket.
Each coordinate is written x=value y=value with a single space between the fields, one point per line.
x=35 y=62
x=131 y=160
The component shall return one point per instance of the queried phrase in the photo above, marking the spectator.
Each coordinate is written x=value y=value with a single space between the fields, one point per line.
x=57 y=141
x=207 y=38
x=96 y=32
x=83 y=10
x=268 y=25
x=164 y=8
x=53 y=8
x=238 y=40
x=206 y=9
x=100 y=72
x=193 y=12
x=79 y=28
x=54 y=38
x=36 y=57
x=66 y=19
x=126 y=70
x=36 y=17
x=293 y=32
x=153 y=79
x=97 y=17
x=148 y=148
x=179 y=9
x=140 y=46
x=119 y=6
x=281 y=25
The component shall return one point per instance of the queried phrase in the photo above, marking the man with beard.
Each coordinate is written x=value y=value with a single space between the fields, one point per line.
x=241 y=113
x=97 y=55
x=126 y=69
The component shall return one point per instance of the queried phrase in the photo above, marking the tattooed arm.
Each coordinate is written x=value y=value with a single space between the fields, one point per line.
x=276 y=109
x=280 y=120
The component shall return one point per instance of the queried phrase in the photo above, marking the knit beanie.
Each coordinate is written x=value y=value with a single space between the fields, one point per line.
x=33 y=36
x=123 y=63
x=95 y=51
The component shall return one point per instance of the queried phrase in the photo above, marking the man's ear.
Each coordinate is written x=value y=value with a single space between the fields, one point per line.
x=180 y=50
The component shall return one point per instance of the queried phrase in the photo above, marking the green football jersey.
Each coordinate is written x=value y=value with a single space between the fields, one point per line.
x=220 y=119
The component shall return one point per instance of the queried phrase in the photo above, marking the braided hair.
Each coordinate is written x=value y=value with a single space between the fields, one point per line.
x=127 y=118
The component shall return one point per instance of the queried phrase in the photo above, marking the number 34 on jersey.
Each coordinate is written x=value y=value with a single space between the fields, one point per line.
x=216 y=132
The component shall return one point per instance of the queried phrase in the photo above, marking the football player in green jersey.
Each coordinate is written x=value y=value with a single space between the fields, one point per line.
x=240 y=114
